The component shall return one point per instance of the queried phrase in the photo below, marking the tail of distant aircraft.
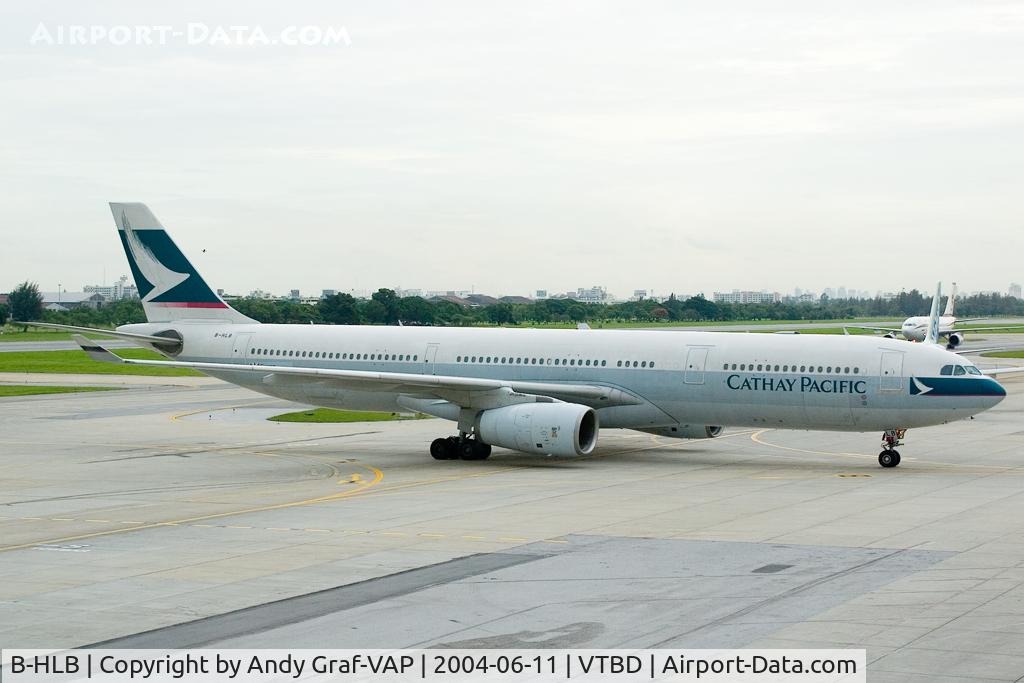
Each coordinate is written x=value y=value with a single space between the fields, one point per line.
x=170 y=287
x=933 y=319
x=951 y=301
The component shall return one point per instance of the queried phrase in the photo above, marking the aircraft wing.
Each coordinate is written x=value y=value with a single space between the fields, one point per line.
x=470 y=392
x=1009 y=370
x=987 y=349
x=876 y=329
x=983 y=329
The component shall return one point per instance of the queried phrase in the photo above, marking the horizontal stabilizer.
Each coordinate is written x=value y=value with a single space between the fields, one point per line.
x=127 y=336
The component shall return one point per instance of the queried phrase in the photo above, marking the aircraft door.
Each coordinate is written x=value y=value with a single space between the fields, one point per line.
x=696 y=360
x=240 y=350
x=891 y=371
x=429 y=356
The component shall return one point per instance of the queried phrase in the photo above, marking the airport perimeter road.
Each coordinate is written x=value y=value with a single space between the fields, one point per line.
x=126 y=514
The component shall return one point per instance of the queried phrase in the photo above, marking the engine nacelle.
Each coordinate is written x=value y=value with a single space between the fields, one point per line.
x=548 y=428
x=889 y=335
x=686 y=431
x=954 y=340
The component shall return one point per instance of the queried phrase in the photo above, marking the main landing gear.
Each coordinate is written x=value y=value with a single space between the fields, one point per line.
x=462 y=446
x=891 y=438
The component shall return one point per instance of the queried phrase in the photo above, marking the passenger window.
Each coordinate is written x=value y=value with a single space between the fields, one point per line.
x=604 y=363
x=759 y=366
x=733 y=366
x=415 y=356
x=725 y=367
x=652 y=363
x=743 y=366
x=635 y=363
x=856 y=370
x=458 y=359
x=643 y=364
x=618 y=363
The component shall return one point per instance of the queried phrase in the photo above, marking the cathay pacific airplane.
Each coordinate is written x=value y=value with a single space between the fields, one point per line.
x=546 y=391
x=915 y=328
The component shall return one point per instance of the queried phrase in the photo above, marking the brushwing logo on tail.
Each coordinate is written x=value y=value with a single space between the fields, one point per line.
x=162 y=278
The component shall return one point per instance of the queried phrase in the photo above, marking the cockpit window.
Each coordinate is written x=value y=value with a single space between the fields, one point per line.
x=946 y=370
x=971 y=370
x=959 y=370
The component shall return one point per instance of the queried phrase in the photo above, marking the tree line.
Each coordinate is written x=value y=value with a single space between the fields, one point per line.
x=385 y=307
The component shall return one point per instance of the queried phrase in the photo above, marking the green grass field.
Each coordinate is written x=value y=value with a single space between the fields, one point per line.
x=627 y=325
x=14 y=334
x=24 y=390
x=76 y=362
x=1005 y=354
x=330 y=415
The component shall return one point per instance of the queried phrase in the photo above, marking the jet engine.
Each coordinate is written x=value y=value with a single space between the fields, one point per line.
x=686 y=431
x=889 y=335
x=549 y=428
x=954 y=340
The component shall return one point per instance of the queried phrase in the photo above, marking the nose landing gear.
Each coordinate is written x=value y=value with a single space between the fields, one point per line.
x=462 y=446
x=890 y=457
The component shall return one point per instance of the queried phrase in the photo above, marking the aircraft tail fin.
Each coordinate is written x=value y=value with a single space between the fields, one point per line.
x=933 y=318
x=169 y=285
x=951 y=301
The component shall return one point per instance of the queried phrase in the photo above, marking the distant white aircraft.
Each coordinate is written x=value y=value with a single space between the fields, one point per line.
x=547 y=391
x=915 y=328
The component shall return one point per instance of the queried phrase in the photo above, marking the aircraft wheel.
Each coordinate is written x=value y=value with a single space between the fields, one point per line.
x=472 y=449
x=441 y=449
x=889 y=458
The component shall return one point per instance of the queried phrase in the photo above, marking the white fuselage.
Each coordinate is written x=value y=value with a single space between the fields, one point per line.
x=677 y=379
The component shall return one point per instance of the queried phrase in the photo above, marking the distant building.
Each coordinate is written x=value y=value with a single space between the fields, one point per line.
x=737 y=296
x=591 y=295
x=638 y=295
x=294 y=295
x=541 y=294
x=122 y=289
x=1015 y=290
x=67 y=301
x=324 y=294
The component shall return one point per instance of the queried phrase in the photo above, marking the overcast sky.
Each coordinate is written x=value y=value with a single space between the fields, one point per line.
x=520 y=145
